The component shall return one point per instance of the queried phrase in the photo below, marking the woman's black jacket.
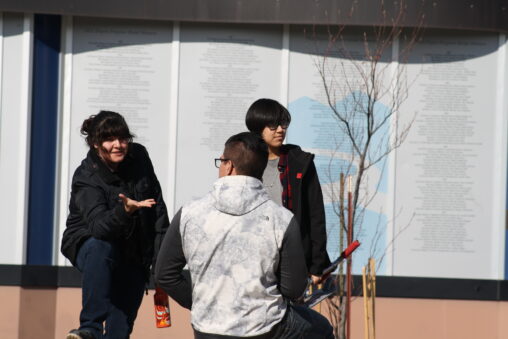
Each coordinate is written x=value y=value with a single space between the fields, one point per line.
x=95 y=209
x=307 y=206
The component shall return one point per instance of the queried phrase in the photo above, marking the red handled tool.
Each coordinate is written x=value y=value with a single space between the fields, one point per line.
x=344 y=255
x=329 y=287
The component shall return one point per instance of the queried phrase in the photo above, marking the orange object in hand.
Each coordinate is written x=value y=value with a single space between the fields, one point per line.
x=161 y=304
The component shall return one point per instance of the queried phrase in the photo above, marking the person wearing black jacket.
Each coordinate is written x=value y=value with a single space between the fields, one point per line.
x=291 y=180
x=117 y=219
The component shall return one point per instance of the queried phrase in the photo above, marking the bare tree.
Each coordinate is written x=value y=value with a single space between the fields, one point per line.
x=363 y=72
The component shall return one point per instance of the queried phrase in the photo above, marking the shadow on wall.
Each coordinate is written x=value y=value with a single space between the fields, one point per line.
x=123 y=33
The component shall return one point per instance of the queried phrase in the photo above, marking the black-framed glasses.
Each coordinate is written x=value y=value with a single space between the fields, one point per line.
x=283 y=125
x=218 y=161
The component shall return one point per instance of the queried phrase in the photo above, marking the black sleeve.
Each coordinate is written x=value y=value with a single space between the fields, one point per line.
x=292 y=268
x=169 y=266
x=103 y=222
x=314 y=196
x=161 y=213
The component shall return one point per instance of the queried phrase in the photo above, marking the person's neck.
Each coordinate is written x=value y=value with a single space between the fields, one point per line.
x=112 y=166
x=273 y=152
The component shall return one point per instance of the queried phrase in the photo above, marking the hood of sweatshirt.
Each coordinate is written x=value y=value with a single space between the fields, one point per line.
x=238 y=194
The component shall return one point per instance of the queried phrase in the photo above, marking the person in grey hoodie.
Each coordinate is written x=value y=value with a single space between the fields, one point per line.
x=244 y=256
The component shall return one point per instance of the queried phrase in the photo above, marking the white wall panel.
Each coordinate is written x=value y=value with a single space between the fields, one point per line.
x=450 y=173
x=15 y=108
x=223 y=69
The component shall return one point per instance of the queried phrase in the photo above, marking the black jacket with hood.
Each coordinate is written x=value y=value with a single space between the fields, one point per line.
x=95 y=209
x=308 y=207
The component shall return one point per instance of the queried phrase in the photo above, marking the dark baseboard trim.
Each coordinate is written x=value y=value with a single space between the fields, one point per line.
x=39 y=276
x=440 y=288
x=32 y=276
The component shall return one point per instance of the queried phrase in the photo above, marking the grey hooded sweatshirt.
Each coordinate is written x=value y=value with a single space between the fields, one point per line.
x=244 y=255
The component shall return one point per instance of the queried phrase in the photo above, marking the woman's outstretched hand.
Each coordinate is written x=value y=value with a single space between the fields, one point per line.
x=132 y=206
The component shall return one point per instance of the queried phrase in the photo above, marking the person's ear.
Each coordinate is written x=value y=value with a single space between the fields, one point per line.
x=230 y=168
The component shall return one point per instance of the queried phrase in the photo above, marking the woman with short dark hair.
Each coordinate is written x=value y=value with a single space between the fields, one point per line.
x=291 y=180
x=116 y=222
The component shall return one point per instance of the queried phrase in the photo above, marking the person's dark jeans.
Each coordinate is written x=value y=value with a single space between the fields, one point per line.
x=303 y=322
x=299 y=322
x=112 y=291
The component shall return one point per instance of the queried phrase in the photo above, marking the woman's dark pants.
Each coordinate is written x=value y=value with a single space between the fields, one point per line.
x=112 y=290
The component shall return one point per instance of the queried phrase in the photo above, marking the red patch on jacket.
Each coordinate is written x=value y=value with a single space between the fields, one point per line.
x=298 y=175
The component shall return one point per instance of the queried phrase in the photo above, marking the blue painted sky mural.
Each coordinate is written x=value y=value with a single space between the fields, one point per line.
x=315 y=128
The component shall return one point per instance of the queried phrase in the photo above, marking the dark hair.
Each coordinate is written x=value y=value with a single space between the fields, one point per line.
x=106 y=124
x=248 y=152
x=266 y=112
